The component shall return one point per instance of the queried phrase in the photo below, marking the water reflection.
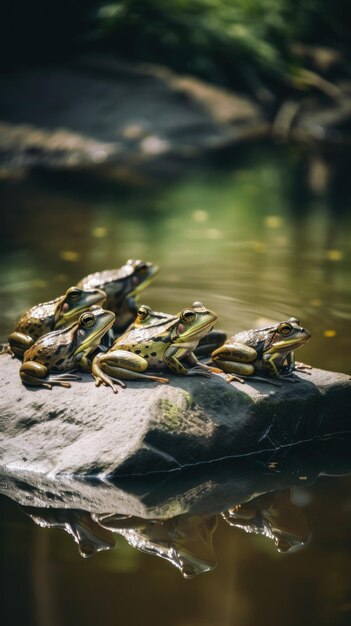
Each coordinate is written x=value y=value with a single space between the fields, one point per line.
x=274 y=516
x=182 y=510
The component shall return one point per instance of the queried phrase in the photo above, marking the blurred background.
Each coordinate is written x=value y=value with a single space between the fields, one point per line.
x=211 y=137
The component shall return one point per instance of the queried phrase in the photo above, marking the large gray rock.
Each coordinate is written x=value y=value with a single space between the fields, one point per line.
x=149 y=427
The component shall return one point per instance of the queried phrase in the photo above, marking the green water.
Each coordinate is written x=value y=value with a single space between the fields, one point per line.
x=259 y=235
x=247 y=236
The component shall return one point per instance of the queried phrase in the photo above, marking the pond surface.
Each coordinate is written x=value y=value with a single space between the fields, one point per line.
x=258 y=236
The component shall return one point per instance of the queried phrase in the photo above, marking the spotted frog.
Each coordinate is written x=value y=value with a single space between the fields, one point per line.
x=267 y=350
x=65 y=350
x=48 y=316
x=121 y=286
x=156 y=340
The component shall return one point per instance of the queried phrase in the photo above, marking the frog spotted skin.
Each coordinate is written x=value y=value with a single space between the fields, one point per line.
x=48 y=316
x=65 y=349
x=156 y=340
x=266 y=350
x=121 y=286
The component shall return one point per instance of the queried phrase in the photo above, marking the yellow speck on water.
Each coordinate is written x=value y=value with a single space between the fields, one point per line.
x=200 y=216
x=61 y=278
x=213 y=233
x=258 y=246
x=303 y=477
x=40 y=283
x=334 y=255
x=316 y=302
x=99 y=232
x=329 y=333
x=69 y=255
x=281 y=240
x=273 y=221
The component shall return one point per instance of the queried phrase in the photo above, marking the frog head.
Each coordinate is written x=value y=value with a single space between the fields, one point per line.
x=91 y=326
x=74 y=302
x=139 y=274
x=287 y=336
x=193 y=324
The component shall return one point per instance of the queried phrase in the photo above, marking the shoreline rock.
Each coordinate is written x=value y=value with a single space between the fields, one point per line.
x=116 y=120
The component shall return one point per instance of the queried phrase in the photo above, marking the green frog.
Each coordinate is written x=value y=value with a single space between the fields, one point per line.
x=156 y=340
x=48 y=316
x=121 y=286
x=65 y=350
x=267 y=350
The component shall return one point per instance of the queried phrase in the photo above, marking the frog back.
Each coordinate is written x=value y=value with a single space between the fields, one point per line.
x=38 y=320
x=55 y=350
x=148 y=343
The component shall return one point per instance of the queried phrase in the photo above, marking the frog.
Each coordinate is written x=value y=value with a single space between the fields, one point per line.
x=48 y=316
x=65 y=350
x=122 y=287
x=268 y=350
x=156 y=340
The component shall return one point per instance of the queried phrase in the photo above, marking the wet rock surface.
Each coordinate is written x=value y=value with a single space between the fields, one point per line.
x=90 y=432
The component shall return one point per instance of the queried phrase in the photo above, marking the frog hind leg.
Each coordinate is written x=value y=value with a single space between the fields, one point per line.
x=235 y=359
x=36 y=375
x=235 y=370
x=19 y=343
x=213 y=340
x=121 y=363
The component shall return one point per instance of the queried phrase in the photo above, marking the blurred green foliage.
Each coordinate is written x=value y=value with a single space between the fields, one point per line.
x=232 y=42
x=241 y=43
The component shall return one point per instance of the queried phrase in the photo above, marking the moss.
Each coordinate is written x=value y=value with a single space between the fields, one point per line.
x=173 y=413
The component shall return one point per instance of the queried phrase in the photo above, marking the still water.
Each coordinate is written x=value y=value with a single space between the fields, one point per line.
x=258 y=236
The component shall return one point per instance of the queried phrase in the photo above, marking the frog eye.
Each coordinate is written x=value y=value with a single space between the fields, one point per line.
x=87 y=320
x=285 y=328
x=143 y=312
x=188 y=315
x=142 y=268
x=74 y=294
x=294 y=320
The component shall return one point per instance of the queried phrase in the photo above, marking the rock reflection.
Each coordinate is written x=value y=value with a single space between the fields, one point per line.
x=175 y=515
x=186 y=541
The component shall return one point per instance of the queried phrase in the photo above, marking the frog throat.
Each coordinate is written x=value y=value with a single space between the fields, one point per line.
x=91 y=342
x=198 y=332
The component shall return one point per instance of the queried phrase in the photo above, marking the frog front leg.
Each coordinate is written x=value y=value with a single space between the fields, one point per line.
x=37 y=375
x=123 y=364
x=172 y=356
x=271 y=363
x=297 y=365
x=193 y=362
